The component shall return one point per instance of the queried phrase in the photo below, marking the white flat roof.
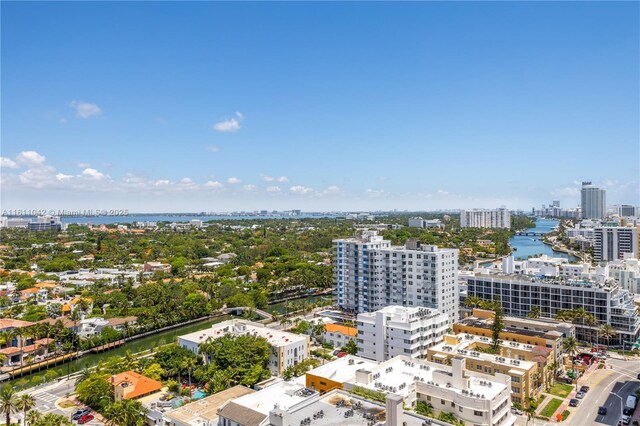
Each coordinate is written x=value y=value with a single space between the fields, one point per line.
x=460 y=350
x=284 y=394
x=402 y=370
x=343 y=369
x=242 y=327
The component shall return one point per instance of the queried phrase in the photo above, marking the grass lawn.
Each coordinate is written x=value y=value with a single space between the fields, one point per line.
x=561 y=390
x=551 y=407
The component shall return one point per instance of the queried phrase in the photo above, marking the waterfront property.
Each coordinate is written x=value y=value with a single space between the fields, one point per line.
x=287 y=349
x=483 y=218
x=131 y=385
x=615 y=242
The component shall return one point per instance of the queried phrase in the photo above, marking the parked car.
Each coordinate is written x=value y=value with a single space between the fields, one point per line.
x=78 y=414
x=602 y=410
x=85 y=419
x=574 y=403
x=580 y=395
x=517 y=412
x=584 y=389
x=624 y=420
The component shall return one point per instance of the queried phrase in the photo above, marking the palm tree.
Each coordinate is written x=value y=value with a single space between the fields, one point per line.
x=472 y=301
x=534 y=312
x=20 y=334
x=607 y=331
x=570 y=346
x=129 y=362
x=188 y=364
x=8 y=402
x=84 y=375
x=275 y=317
x=551 y=369
x=285 y=322
x=532 y=406
x=319 y=330
x=206 y=348
x=5 y=338
x=591 y=322
x=25 y=402
x=32 y=417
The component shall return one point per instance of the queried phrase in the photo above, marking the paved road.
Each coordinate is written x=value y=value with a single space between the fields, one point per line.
x=609 y=388
x=48 y=395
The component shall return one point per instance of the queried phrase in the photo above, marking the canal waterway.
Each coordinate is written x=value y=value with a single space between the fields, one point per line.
x=148 y=342
x=526 y=246
x=134 y=346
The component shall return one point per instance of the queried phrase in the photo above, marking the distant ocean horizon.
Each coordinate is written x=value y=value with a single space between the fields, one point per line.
x=178 y=217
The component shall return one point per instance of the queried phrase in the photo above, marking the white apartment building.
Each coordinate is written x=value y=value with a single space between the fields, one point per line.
x=287 y=349
x=627 y=273
x=398 y=330
x=593 y=201
x=419 y=222
x=615 y=242
x=352 y=269
x=607 y=301
x=474 y=398
x=370 y=278
x=484 y=218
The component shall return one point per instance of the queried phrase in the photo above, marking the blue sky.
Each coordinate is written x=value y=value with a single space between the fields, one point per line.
x=194 y=106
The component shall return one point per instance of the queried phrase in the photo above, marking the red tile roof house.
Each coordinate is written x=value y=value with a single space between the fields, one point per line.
x=131 y=385
x=19 y=348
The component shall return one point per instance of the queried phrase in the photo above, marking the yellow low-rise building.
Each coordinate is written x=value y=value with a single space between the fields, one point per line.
x=526 y=379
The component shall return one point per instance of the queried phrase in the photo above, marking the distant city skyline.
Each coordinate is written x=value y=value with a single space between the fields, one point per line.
x=200 y=106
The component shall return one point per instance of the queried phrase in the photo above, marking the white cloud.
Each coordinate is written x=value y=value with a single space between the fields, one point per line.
x=273 y=189
x=186 y=181
x=8 y=163
x=84 y=165
x=250 y=188
x=30 y=158
x=92 y=174
x=280 y=179
x=376 y=193
x=85 y=109
x=332 y=190
x=161 y=182
x=442 y=192
x=214 y=149
x=567 y=191
x=233 y=180
x=213 y=184
x=299 y=189
x=229 y=125
x=62 y=177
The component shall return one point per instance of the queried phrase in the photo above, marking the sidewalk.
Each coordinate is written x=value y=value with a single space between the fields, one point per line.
x=581 y=382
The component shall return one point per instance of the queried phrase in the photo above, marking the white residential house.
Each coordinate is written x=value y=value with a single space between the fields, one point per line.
x=287 y=349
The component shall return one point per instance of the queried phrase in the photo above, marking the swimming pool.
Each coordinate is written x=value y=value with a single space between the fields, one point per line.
x=198 y=394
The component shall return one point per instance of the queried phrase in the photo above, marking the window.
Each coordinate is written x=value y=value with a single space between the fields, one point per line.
x=477 y=413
